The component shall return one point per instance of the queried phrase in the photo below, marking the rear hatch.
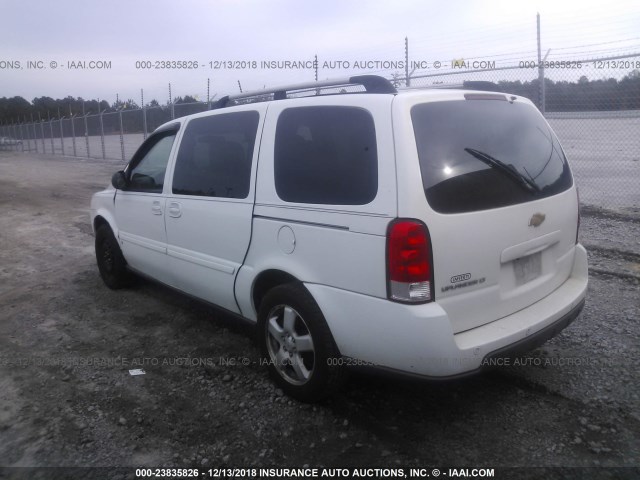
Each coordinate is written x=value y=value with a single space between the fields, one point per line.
x=502 y=210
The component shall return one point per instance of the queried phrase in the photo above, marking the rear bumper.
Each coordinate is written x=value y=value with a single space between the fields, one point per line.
x=418 y=339
x=529 y=343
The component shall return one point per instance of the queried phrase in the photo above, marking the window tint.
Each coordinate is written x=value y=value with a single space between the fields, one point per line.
x=215 y=156
x=148 y=173
x=326 y=155
x=481 y=154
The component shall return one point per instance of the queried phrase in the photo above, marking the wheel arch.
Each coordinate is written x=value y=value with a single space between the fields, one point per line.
x=265 y=281
x=104 y=218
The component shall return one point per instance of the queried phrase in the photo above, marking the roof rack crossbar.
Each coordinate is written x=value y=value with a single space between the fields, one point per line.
x=371 y=84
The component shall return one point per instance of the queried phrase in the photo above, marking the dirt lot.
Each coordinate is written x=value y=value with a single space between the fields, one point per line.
x=67 y=344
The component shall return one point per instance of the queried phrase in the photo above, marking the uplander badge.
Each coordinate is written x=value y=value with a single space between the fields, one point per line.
x=537 y=219
x=460 y=278
x=462 y=281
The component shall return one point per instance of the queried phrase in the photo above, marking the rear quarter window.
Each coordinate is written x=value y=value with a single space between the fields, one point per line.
x=326 y=155
x=482 y=154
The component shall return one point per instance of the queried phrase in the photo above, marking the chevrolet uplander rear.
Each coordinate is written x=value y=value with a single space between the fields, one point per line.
x=423 y=232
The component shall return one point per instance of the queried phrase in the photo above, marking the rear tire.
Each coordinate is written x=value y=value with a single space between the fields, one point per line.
x=111 y=262
x=297 y=344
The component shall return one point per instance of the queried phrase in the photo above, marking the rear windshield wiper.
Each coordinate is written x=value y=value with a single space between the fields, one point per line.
x=509 y=170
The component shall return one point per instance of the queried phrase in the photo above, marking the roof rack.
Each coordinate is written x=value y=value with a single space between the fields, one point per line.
x=371 y=84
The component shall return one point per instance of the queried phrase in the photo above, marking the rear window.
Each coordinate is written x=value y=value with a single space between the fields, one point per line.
x=481 y=154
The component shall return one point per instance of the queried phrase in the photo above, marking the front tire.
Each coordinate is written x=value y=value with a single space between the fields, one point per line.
x=111 y=262
x=297 y=344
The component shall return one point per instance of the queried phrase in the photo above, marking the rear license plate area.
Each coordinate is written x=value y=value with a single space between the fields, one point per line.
x=527 y=268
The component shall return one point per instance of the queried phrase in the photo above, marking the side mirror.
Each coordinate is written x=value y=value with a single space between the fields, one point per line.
x=119 y=180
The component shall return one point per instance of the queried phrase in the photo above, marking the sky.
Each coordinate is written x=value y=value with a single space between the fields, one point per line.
x=61 y=38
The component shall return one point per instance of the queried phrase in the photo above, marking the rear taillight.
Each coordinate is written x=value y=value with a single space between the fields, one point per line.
x=409 y=262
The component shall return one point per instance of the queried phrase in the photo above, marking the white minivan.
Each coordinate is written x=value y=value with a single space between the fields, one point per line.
x=421 y=232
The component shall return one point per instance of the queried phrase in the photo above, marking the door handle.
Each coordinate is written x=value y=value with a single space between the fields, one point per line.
x=175 y=210
x=156 y=208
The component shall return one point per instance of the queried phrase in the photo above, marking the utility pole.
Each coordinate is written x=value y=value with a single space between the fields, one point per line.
x=73 y=131
x=540 y=69
x=41 y=131
x=315 y=66
x=86 y=130
x=406 y=62
x=144 y=115
x=35 y=135
x=171 y=104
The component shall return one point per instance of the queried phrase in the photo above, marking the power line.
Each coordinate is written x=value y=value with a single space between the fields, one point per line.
x=598 y=44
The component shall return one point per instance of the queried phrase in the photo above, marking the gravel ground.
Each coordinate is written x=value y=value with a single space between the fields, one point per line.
x=67 y=344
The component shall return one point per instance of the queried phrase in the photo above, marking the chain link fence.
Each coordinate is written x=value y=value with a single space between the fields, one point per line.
x=597 y=120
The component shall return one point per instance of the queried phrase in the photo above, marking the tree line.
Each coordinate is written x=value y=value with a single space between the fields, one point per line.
x=583 y=95
x=19 y=110
x=561 y=96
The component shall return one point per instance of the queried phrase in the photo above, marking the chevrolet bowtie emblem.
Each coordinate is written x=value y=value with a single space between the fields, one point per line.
x=537 y=219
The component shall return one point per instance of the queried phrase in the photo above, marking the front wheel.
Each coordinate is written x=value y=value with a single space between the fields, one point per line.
x=297 y=344
x=111 y=262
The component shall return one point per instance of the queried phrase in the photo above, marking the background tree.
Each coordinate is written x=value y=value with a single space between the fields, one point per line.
x=561 y=96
